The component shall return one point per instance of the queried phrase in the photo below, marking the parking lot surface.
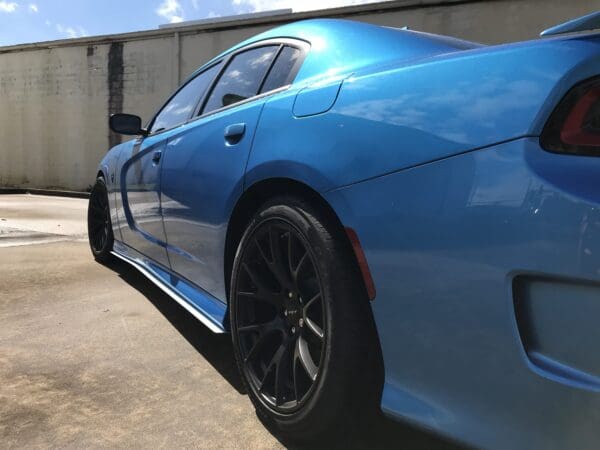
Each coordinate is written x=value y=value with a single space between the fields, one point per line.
x=96 y=356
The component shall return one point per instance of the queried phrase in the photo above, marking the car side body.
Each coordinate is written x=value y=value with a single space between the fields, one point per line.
x=482 y=246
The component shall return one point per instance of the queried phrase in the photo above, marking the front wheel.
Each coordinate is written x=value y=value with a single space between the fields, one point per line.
x=100 y=233
x=302 y=327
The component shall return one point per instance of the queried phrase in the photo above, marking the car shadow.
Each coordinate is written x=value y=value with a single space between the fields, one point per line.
x=380 y=433
x=217 y=349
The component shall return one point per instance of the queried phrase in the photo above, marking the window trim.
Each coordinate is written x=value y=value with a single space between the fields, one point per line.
x=197 y=112
x=200 y=110
x=177 y=91
x=299 y=44
x=269 y=69
x=293 y=72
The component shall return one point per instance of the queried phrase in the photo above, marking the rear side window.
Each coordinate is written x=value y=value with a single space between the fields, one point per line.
x=182 y=105
x=282 y=73
x=242 y=77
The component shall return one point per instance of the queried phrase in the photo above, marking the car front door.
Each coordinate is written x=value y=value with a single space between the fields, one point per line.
x=203 y=170
x=140 y=173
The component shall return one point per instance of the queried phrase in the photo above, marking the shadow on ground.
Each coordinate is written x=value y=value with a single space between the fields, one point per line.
x=217 y=349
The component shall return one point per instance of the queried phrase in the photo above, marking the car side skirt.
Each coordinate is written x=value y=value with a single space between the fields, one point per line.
x=200 y=304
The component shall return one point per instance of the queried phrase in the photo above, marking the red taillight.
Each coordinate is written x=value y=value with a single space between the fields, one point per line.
x=574 y=126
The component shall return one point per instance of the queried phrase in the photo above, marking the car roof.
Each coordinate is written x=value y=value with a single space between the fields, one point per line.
x=341 y=46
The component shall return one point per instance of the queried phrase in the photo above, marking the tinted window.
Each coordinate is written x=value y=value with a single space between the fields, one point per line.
x=242 y=77
x=281 y=73
x=179 y=109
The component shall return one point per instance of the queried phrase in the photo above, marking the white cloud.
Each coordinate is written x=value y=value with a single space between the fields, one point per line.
x=33 y=8
x=170 y=10
x=8 y=7
x=297 y=5
x=70 y=32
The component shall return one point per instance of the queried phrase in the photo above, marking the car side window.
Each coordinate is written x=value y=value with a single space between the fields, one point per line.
x=282 y=73
x=182 y=105
x=242 y=77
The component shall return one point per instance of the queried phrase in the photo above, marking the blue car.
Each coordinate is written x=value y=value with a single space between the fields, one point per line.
x=381 y=218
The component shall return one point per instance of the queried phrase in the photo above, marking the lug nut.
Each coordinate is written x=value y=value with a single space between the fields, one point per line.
x=293 y=330
x=301 y=322
x=290 y=295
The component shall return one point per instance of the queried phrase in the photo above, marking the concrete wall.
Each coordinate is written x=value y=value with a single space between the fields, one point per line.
x=55 y=97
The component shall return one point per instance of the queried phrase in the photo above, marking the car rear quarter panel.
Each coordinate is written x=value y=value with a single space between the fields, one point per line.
x=389 y=119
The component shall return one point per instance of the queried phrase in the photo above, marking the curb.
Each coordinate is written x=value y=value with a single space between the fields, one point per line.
x=51 y=192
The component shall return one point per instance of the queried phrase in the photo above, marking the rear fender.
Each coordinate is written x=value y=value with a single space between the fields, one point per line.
x=385 y=120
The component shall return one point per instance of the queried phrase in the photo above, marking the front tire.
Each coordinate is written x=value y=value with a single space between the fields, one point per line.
x=100 y=234
x=302 y=328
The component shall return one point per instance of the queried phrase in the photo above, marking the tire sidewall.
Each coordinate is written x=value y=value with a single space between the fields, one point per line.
x=100 y=188
x=318 y=409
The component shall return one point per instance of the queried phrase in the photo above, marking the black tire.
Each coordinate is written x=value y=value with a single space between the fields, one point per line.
x=347 y=385
x=100 y=234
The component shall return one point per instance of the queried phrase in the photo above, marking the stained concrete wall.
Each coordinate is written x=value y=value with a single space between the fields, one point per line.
x=55 y=97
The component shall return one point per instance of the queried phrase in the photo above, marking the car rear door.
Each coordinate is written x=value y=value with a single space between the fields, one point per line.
x=140 y=173
x=204 y=166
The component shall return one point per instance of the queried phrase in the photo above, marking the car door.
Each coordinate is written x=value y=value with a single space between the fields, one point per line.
x=204 y=167
x=140 y=173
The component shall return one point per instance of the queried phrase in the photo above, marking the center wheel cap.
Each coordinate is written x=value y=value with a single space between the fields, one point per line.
x=293 y=310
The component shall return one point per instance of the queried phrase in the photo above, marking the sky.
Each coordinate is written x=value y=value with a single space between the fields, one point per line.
x=25 y=21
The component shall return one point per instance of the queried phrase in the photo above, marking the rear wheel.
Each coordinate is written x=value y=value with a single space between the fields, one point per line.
x=302 y=327
x=100 y=233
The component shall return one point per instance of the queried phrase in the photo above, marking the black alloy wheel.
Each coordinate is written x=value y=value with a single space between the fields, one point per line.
x=281 y=319
x=302 y=328
x=100 y=233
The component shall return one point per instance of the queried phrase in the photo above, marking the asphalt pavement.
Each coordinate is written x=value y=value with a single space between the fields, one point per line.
x=95 y=356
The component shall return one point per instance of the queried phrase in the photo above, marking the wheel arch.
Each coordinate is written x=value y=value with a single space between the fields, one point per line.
x=259 y=193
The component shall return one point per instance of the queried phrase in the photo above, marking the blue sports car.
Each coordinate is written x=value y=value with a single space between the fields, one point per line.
x=382 y=218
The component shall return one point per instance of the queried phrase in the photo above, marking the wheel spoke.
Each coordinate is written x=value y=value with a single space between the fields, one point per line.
x=299 y=266
x=250 y=328
x=262 y=296
x=263 y=292
x=255 y=278
x=271 y=366
x=282 y=371
x=280 y=364
x=311 y=301
x=305 y=358
x=262 y=252
x=295 y=359
x=273 y=263
x=291 y=254
x=277 y=266
x=262 y=339
x=316 y=329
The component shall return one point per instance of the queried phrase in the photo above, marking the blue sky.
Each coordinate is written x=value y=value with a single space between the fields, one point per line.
x=23 y=21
